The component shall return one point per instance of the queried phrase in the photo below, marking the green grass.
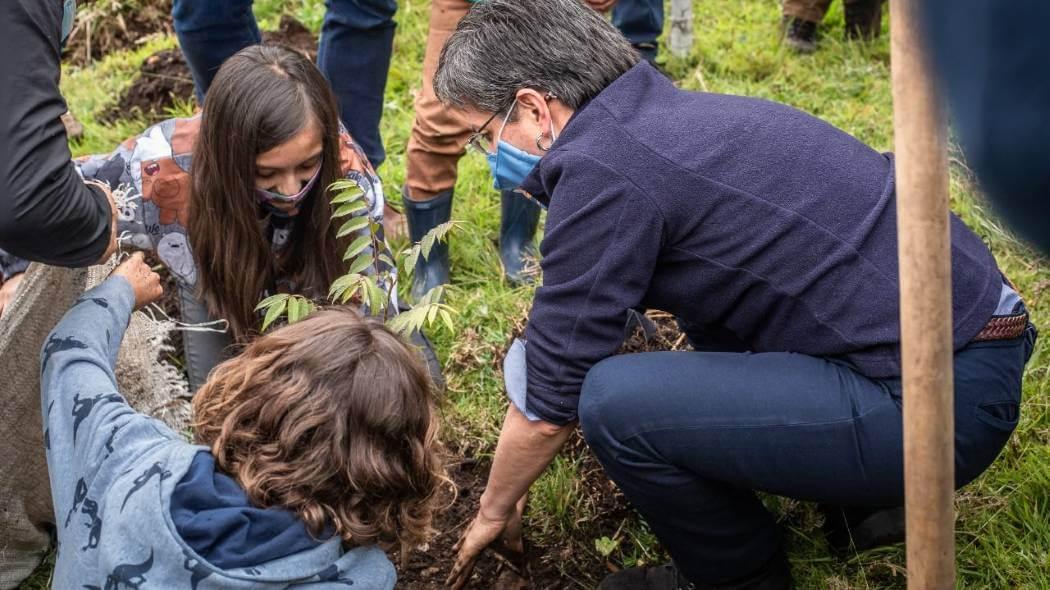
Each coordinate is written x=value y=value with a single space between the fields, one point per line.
x=1003 y=538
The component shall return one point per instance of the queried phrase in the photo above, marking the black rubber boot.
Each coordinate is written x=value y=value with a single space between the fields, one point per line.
x=849 y=529
x=800 y=35
x=863 y=19
x=520 y=216
x=774 y=575
x=423 y=216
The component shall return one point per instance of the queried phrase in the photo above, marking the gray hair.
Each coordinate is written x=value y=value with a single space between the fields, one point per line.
x=556 y=46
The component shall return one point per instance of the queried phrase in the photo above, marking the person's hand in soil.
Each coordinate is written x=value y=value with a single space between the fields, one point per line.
x=483 y=532
x=8 y=290
x=144 y=281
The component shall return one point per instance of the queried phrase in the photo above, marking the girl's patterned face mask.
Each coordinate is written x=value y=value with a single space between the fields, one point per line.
x=266 y=196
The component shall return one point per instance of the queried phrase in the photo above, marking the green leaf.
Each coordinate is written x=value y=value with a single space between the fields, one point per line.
x=346 y=186
x=352 y=225
x=606 y=546
x=349 y=209
x=274 y=312
x=359 y=264
x=411 y=260
x=349 y=195
x=357 y=246
x=271 y=300
x=385 y=258
x=295 y=309
x=407 y=322
x=446 y=317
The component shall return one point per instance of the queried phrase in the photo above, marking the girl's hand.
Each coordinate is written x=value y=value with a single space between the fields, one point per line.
x=144 y=281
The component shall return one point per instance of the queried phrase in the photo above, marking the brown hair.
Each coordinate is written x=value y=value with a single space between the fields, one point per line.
x=261 y=97
x=332 y=418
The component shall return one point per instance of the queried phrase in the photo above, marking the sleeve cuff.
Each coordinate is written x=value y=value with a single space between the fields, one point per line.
x=515 y=378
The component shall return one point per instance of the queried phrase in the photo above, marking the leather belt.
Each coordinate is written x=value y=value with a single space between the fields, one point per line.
x=1003 y=327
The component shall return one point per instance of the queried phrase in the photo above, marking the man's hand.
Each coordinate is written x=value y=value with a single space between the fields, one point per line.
x=114 y=217
x=483 y=532
x=600 y=5
x=8 y=290
x=144 y=281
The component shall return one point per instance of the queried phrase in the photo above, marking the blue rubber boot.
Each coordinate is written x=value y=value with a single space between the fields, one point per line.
x=520 y=216
x=423 y=216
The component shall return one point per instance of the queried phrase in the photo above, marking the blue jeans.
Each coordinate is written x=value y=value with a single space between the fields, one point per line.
x=357 y=41
x=689 y=436
x=641 y=21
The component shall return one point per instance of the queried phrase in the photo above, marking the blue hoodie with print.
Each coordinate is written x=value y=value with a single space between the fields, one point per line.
x=138 y=507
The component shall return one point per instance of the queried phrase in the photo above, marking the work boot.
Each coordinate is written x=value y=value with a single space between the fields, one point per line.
x=648 y=51
x=800 y=35
x=519 y=218
x=863 y=19
x=849 y=529
x=422 y=217
x=774 y=575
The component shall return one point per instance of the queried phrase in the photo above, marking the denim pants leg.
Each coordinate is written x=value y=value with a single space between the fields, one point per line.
x=641 y=21
x=689 y=437
x=357 y=42
x=203 y=350
x=210 y=31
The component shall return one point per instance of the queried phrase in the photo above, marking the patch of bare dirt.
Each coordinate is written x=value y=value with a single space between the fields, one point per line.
x=165 y=79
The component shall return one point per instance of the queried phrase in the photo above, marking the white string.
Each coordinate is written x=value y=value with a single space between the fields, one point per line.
x=174 y=325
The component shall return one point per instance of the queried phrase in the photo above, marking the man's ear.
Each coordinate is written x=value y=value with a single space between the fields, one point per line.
x=532 y=105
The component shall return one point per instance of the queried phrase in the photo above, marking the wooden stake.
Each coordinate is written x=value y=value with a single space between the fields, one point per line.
x=680 y=38
x=924 y=252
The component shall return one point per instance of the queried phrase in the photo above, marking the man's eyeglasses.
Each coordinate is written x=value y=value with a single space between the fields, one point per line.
x=478 y=141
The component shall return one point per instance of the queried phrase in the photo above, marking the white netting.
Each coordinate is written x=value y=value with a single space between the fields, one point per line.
x=149 y=383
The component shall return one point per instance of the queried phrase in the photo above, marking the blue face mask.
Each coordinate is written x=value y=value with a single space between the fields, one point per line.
x=69 y=12
x=509 y=164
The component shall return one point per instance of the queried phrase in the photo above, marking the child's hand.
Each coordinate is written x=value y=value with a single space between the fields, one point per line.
x=144 y=281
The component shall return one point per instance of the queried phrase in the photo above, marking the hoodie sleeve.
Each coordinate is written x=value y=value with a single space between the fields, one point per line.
x=86 y=420
x=47 y=214
x=601 y=245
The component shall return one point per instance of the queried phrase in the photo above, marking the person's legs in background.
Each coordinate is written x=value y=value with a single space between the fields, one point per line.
x=357 y=41
x=209 y=32
x=641 y=21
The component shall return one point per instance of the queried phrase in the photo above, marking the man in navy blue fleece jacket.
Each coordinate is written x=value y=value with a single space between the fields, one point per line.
x=771 y=235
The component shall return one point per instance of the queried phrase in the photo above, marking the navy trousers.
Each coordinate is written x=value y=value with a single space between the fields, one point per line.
x=641 y=21
x=689 y=437
x=357 y=41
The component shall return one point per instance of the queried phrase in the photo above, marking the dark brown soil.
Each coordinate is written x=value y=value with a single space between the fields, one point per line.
x=569 y=564
x=165 y=78
x=545 y=567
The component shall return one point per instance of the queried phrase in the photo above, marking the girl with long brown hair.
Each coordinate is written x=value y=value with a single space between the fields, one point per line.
x=235 y=201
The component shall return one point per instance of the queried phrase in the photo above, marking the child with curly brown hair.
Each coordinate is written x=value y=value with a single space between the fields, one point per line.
x=315 y=446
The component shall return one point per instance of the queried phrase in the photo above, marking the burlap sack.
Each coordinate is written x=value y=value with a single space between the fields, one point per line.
x=149 y=384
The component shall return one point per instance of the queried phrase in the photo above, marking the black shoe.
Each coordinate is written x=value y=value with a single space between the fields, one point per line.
x=774 y=575
x=520 y=216
x=800 y=35
x=863 y=19
x=422 y=217
x=661 y=577
x=849 y=529
x=648 y=51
